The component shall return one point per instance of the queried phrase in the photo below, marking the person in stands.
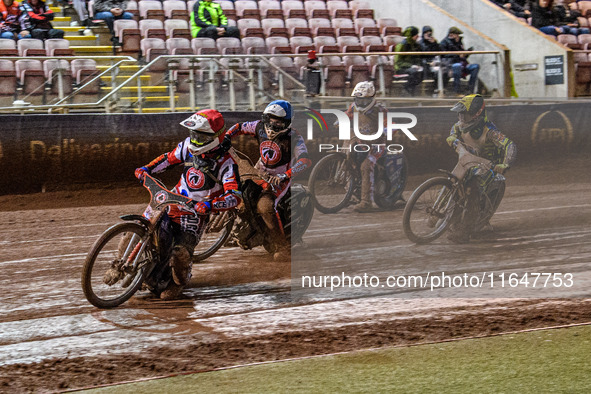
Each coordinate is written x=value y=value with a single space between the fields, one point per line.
x=208 y=20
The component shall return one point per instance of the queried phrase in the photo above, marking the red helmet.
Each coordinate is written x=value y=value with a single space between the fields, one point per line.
x=206 y=130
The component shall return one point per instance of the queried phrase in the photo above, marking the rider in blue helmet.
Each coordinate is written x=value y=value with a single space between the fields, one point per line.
x=283 y=154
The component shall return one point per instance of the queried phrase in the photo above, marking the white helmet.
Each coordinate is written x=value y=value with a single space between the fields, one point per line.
x=206 y=131
x=277 y=118
x=364 y=94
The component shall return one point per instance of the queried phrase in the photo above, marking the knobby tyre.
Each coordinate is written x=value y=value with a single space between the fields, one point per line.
x=331 y=183
x=428 y=212
x=111 y=249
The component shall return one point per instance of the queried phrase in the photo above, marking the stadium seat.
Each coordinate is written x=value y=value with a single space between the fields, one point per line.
x=301 y=41
x=567 y=40
x=7 y=78
x=316 y=9
x=128 y=33
x=229 y=46
x=383 y=62
x=584 y=39
x=58 y=47
x=371 y=41
x=84 y=70
x=347 y=41
x=177 y=28
x=179 y=46
x=321 y=41
x=364 y=13
x=321 y=27
x=364 y=22
x=274 y=28
x=358 y=4
x=8 y=47
x=30 y=76
x=357 y=69
x=583 y=77
x=151 y=9
x=388 y=26
x=334 y=75
x=338 y=9
x=272 y=42
x=270 y=10
x=50 y=69
x=254 y=45
x=151 y=49
x=228 y=7
x=204 y=46
x=338 y=23
x=297 y=27
x=585 y=8
x=250 y=28
x=391 y=41
x=247 y=9
x=152 y=28
x=287 y=65
x=30 y=47
x=175 y=9
x=580 y=57
x=293 y=9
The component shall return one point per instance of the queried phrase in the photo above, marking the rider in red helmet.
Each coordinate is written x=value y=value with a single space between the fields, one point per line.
x=209 y=177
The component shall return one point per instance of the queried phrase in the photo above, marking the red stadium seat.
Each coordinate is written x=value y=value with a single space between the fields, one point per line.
x=204 y=46
x=52 y=68
x=7 y=78
x=293 y=9
x=177 y=28
x=30 y=76
x=8 y=47
x=175 y=9
x=30 y=47
x=151 y=9
x=84 y=70
x=58 y=47
x=151 y=49
x=152 y=28
x=128 y=33
x=247 y=9
x=274 y=28
x=229 y=45
x=254 y=45
x=297 y=27
x=270 y=9
x=339 y=9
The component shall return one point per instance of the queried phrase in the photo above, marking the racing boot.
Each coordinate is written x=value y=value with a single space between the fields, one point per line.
x=172 y=292
x=181 y=264
x=365 y=204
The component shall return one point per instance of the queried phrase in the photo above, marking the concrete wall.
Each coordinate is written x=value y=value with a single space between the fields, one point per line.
x=528 y=46
x=422 y=12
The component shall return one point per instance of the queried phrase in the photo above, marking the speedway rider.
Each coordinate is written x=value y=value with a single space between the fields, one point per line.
x=283 y=155
x=483 y=139
x=209 y=177
x=364 y=102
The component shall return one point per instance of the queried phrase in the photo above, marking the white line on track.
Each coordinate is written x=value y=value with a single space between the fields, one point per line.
x=32 y=259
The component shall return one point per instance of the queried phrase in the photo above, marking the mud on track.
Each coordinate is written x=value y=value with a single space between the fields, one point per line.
x=238 y=308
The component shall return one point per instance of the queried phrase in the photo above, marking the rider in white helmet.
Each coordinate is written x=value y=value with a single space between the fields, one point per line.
x=209 y=177
x=365 y=104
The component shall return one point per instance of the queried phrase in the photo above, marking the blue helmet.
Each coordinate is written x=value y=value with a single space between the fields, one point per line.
x=277 y=117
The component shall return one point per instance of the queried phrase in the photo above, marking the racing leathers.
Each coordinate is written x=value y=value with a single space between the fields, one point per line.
x=285 y=156
x=484 y=140
x=210 y=179
x=368 y=124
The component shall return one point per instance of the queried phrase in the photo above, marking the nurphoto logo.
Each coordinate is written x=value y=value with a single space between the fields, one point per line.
x=343 y=123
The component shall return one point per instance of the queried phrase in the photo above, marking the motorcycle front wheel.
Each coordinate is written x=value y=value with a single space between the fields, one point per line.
x=215 y=235
x=331 y=183
x=429 y=210
x=107 y=280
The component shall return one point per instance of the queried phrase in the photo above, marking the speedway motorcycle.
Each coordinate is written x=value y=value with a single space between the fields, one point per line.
x=441 y=201
x=139 y=248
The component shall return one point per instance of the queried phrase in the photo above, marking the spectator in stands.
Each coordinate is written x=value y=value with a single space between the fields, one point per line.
x=552 y=19
x=409 y=64
x=82 y=11
x=110 y=11
x=458 y=65
x=567 y=20
x=519 y=8
x=208 y=20
x=428 y=43
x=36 y=17
x=10 y=21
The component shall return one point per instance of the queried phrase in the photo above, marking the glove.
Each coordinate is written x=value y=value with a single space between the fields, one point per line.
x=501 y=168
x=141 y=172
x=203 y=208
x=277 y=179
x=226 y=143
x=452 y=141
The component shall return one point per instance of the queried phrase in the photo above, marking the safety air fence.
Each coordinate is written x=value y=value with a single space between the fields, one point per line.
x=37 y=151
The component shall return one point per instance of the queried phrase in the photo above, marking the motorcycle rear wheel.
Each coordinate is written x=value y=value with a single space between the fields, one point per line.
x=112 y=248
x=331 y=183
x=429 y=210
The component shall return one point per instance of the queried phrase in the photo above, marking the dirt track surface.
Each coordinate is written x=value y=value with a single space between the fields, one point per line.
x=238 y=308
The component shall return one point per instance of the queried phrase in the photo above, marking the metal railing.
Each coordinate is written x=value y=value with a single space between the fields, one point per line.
x=257 y=63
